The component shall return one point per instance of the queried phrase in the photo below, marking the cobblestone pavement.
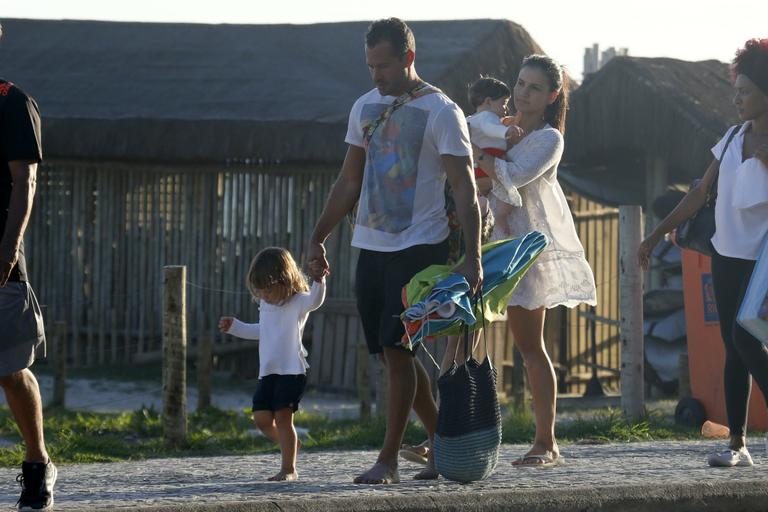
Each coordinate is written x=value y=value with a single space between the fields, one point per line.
x=329 y=474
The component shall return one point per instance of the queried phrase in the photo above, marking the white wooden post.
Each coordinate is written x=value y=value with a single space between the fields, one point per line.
x=631 y=305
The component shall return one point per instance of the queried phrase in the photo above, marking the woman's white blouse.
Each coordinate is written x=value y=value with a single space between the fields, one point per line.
x=528 y=177
x=741 y=210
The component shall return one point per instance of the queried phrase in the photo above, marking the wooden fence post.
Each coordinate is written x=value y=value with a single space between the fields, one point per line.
x=175 y=354
x=59 y=364
x=204 y=369
x=631 y=305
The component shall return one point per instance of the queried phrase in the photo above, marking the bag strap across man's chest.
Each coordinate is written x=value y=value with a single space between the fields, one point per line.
x=420 y=90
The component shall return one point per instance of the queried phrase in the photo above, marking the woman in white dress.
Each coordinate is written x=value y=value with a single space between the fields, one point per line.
x=561 y=276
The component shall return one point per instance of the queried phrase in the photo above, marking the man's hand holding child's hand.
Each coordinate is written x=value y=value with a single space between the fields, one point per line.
x=316 y=270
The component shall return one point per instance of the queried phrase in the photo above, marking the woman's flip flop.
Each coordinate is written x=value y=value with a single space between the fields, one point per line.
x=545 y=460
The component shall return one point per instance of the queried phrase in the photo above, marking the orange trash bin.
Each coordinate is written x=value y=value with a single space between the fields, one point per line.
x=706 y=353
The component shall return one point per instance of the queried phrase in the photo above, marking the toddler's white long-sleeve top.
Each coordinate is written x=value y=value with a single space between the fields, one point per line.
x=487 y=131
x=279 y=332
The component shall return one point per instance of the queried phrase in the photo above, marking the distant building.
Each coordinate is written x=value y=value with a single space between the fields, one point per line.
x=594 y=60
x=591 y=60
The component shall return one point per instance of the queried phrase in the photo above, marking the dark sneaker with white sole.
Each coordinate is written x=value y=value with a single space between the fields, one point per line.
x=36 y=480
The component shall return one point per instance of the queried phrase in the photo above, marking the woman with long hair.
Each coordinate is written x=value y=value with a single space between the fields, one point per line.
x=561 y=276
x=741 y=224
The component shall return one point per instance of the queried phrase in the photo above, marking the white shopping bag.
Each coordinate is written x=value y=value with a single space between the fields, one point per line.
x=753 y=313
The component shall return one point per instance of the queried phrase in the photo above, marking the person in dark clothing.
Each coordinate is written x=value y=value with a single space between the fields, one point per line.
x=20 y=318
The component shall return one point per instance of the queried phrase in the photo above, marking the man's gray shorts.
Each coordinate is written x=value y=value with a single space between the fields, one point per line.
x=21 y=327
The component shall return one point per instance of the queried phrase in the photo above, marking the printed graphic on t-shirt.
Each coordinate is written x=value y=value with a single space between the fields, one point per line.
x=391 y=168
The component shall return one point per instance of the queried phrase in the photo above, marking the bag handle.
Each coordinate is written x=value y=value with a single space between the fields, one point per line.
x=712 y=190
x=467 y=339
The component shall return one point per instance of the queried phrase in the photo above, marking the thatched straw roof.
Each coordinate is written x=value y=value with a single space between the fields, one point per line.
x=639 y=108
x=187 y=92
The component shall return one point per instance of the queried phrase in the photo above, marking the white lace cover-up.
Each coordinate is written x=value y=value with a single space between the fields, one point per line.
x=561 y=274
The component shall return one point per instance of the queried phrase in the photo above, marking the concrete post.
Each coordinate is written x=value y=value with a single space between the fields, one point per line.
x=631 y=307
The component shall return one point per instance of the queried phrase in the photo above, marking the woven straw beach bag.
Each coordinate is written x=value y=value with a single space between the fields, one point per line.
x=468 y=436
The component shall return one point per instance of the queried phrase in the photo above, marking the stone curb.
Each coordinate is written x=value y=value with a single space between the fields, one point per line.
x=744 y=496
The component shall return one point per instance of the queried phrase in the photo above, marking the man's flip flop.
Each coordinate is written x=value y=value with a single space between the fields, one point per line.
x=539 y=461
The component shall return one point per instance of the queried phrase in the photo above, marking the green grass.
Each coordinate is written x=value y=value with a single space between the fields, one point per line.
x=601 y=426
x=106 y=437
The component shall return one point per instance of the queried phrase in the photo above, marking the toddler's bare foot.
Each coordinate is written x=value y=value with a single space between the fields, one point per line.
x=379 y=474
x=284 y=476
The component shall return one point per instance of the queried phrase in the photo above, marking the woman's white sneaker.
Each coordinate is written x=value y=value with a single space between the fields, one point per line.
x=729 y=458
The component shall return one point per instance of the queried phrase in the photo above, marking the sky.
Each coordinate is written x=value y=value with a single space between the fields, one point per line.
x=684 y=29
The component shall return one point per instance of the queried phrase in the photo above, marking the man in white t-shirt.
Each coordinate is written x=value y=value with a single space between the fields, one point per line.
x=396 y=166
